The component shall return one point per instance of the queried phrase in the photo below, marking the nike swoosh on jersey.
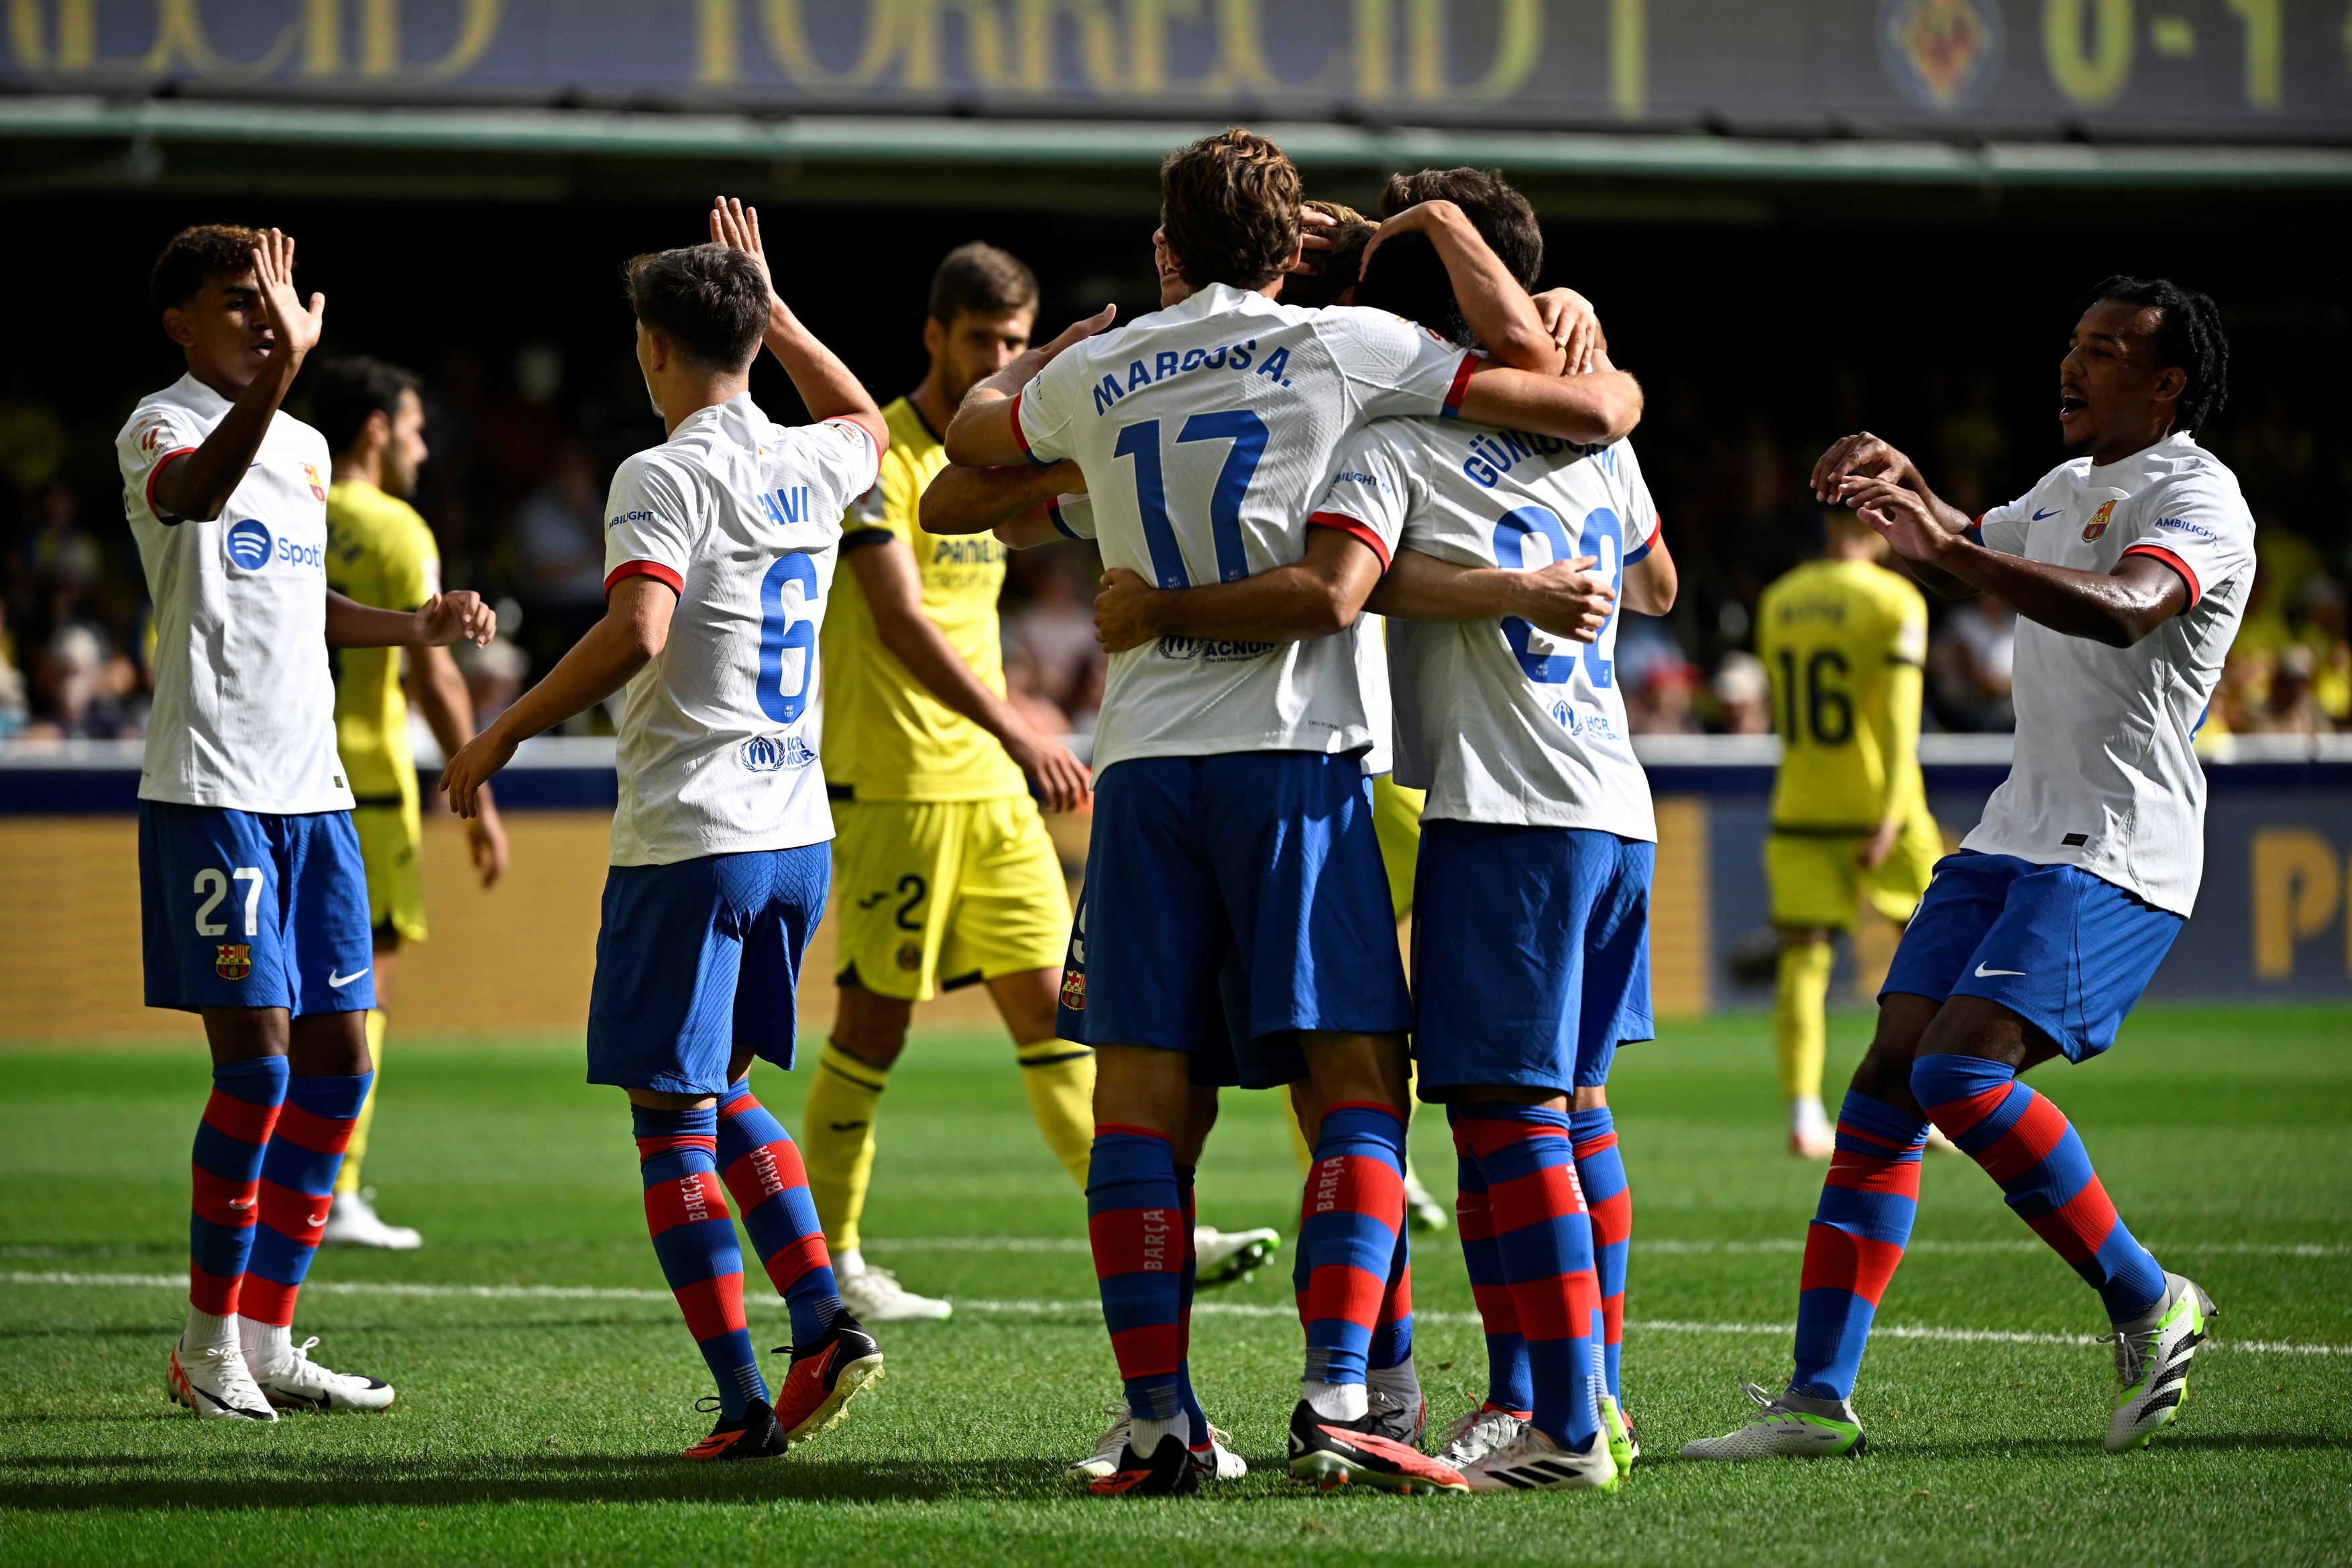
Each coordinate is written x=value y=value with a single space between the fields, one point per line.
x=337 y=982
x=1984 y=973
x=2053 y=511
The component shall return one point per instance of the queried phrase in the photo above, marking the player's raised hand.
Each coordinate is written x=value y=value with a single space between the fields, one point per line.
x=1863 y=455
x=294 y=328
x=737 y=227
x=463 y=776
x=1564 y=599
x=1900 y=516
x=1575 y=326
x=1121 y=611
x=452 y=617
x=1873 y=850
x=1313 y=245
x=1079 y=331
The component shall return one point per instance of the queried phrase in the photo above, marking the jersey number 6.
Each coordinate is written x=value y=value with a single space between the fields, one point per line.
x=779 y=634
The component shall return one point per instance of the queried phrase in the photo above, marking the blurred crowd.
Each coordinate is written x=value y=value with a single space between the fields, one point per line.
x=522 y=451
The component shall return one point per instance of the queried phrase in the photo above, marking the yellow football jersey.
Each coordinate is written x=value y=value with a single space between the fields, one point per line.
x=886 y=736
x=1844 y=642
x=378 y=552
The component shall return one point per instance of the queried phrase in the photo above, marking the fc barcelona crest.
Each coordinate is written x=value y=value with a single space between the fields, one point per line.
x=2099 y=523
x=1074 y=990
x=233 y=960
x=316 y=489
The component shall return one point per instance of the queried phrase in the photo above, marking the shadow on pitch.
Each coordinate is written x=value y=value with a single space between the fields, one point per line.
x=69 y=1485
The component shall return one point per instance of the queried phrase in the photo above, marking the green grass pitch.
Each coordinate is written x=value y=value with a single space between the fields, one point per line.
x=539 y=1416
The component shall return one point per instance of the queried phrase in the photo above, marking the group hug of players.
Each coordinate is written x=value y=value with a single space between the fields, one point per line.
x=1365 y=505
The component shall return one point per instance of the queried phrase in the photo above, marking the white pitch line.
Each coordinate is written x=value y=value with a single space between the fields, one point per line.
x=1045 y=1309
x=1660 y=1247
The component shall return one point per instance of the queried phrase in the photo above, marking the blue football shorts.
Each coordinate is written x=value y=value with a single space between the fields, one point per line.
x=253 y=909
x=1530 y=955
x=1247 y=883
x=699 y=959
x=2055 y=945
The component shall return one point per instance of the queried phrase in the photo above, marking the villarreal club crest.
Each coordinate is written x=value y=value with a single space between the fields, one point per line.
x=2099 y=523
x=233 y=960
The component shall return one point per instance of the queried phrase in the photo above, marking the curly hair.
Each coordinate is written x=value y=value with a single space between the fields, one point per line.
x=196 y=254
x=1337 y=266
x=709 y=299
x=2188 y=334
x=1230 y=205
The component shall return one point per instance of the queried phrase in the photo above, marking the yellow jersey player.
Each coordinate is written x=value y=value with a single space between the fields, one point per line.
x=380 y=553
x=1843 y=640
x=944 y=871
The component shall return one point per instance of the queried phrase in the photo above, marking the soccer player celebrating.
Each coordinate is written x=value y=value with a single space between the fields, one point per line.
x=380 y=553
x=2128 y=567
x=251 y=891
x=1842 y=640
x=720 y=554
x=1232 y=813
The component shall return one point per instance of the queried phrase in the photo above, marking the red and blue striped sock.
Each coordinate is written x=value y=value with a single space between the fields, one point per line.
x=1601 y=1172
x=1546 y=1240
x=2027 y=1146
x=763 y=1171
x=297 y=1188
x=686 y=1210
x=1352 y=1211
x=225 y=1173
x=1860 y=1228
x=1507 y=1381
x=1133 y=1216
x=1188 y=1281
x=1393 y=1330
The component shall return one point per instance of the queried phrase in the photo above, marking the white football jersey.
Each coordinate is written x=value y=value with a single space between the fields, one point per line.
x=741 y=518
x=1205 y=432
x=2104 y=775
x=1498 y=721
x=245 y=703
x=1074 y=515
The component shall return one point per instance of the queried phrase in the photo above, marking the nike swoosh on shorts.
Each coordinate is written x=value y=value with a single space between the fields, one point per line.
x=337 y=982
x=1984 y=973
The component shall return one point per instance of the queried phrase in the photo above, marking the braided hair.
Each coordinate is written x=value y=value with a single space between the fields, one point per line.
x=2188 y=334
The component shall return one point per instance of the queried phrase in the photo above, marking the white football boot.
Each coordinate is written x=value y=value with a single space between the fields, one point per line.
x=1229 y=1257
x=298 y=1383
x=874 y=1296
x=1780 y=1430
x=1476 y=1433
x=216 y=1384
x=1423 y=1212
x=1533 y=1462
x=2152 y=1362
x=352 y=1221
x=1221 y=1464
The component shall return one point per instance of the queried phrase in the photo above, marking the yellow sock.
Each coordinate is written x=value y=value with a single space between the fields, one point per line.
x=837 y=1140
x=1060 y=1078
x=1799 y=1026
x=347 y=1180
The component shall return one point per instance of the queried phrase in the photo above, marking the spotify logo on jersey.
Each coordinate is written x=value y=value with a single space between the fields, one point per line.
x=249 y=544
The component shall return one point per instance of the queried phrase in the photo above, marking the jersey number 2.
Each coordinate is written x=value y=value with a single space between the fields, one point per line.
x=1601 y=536
x=779 y=634
x=1140 y=441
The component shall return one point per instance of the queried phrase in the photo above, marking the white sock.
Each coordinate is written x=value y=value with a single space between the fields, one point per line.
x=207 y=1333
x=1806 y=1115
x=1144 y=1437
x=849 y=1265
x=1401 y=1382
x=267 y=1345
x=1335 y=1401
